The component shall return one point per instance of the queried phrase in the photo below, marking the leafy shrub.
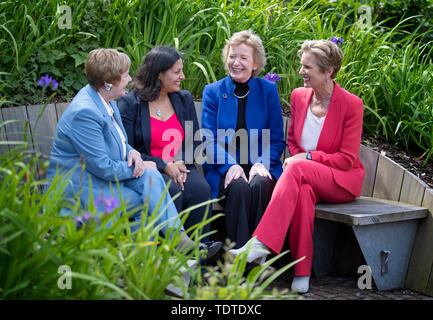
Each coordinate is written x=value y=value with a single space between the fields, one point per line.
x=106 y=261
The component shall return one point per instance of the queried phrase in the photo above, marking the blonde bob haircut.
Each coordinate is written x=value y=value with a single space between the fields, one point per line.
x=105 y=65
x=328 y=54
x=251 y=39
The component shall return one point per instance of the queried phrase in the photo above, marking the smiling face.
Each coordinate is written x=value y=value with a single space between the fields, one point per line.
x=172 y=78
x=311 y=73
x=240 y=62
x=119 y=89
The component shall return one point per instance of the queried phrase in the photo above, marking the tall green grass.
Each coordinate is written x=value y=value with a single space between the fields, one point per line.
x=106 y=261
x=388 y=67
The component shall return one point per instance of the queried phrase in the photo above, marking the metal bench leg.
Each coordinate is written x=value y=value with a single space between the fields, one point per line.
x=387 y=248
x=324 y=242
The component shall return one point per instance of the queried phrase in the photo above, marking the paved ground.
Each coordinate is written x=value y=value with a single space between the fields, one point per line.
x=337 y=287
x=345 y=288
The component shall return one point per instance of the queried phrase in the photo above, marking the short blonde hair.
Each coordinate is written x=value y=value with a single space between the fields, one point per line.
x=105 y=65
x=328 y=54
x=251 y=39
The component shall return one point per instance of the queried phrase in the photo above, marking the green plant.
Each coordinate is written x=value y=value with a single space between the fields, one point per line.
x=106 y=262
x=233 y=279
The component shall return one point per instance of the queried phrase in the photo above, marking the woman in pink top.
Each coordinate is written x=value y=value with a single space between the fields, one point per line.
x=156 y=115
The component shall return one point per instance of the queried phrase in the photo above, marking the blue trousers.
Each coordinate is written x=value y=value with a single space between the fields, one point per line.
x=152 y=185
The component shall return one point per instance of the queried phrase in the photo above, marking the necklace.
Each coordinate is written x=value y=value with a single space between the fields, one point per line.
x=158 y=112
x=317 y=101
x=241 y=97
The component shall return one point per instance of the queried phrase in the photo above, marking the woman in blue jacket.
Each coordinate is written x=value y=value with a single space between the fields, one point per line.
x=91 y=144
x=243 y=136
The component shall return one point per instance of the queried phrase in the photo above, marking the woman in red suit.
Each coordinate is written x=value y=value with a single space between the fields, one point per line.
x=323 y=139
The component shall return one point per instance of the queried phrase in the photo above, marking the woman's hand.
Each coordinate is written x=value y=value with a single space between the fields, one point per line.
x=259 y=169
x=140 y=166
x=293 y=158
x=235 y=172
x=178 y=172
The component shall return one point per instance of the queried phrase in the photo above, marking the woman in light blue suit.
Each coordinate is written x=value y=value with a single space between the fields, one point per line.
x=90 y=132
x=244 y=166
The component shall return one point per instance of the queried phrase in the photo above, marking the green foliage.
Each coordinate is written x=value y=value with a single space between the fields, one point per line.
x=105 y=259
x=233 y=280
x=395 y=10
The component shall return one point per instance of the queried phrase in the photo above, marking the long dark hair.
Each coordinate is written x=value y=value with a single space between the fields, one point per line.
x=146 y=81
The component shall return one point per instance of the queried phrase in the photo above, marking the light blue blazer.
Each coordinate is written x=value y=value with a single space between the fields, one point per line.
x=263 y=111
x=86 y=134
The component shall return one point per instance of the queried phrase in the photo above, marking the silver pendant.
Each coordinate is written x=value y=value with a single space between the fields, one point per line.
x=158 y=112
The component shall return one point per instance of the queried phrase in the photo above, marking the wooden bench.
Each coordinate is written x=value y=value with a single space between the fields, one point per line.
x=384 y=230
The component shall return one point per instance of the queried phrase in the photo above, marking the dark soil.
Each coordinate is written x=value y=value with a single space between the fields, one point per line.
x=410 y=162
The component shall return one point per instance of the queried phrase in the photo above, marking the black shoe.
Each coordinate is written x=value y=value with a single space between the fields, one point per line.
x=212 y=248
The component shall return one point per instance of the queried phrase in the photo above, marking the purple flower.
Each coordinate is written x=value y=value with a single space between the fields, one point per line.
x=55 y=84
x=337 y=40
x=86 y=217
x=273 y=76
x=81 y=220
x=98 y=201
x=45 y=81
x=109 y=203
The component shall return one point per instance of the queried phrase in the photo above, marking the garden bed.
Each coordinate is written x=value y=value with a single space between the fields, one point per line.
x=412 y=163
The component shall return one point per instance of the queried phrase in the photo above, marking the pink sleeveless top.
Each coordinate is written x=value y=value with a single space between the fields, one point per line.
x=166 y=137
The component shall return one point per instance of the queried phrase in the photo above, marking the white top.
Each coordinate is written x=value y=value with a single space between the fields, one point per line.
x=310 y=133
x=116 y=125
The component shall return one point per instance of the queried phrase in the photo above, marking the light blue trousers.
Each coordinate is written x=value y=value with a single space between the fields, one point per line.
x=151 y=184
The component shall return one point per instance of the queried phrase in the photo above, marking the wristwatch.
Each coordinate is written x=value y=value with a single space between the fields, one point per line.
x=308 y=156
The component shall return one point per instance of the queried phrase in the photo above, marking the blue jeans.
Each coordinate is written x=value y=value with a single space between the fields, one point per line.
x=152 y=185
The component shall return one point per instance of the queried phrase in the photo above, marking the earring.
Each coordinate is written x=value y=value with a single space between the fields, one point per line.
x=108 y=86
x=327 y=80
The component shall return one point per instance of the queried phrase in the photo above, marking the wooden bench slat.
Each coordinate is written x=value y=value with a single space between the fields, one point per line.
x=420 y=271
x=412 y=190
x=369 y=159
x=43 y=127
x=366 y=211
x=389 y=178
x=285 y=154
x=15 y=130
x=60 y=108
x=3 y=137
x=198 y=106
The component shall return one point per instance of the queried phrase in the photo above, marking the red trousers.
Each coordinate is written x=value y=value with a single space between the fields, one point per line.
x=302 y=184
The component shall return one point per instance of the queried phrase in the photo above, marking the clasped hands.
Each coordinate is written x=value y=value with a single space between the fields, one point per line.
x=236 y=172
x=177 y=171
x=140 y=166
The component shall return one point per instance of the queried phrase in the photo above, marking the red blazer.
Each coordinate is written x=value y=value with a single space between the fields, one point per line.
x=340 y=139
